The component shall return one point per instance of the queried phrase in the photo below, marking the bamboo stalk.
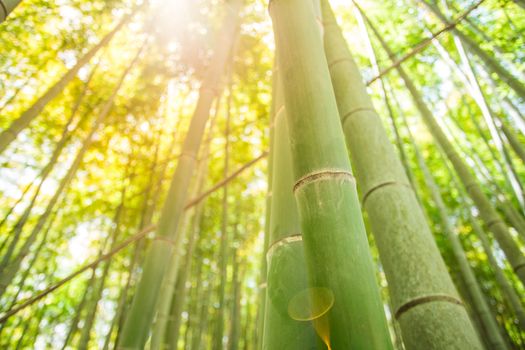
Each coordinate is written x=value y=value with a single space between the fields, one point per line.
x=6 y=7
x=287 y=274
x=400 y=230
x=493 y=333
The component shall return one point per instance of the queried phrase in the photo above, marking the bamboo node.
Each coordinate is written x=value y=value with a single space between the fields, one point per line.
x=164 y=239
x=339 y=60
x=426 y=299
x=381 y=185
x=519 y=266
x=345 y=117
x=281 y=243
x=213 y=89
x=493 y=222
x=188 y=154
x=322 y=175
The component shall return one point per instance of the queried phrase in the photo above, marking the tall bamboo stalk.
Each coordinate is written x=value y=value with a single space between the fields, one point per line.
x=179 y=294
x=501 y=279
x=488 y=115
x=140 y=316
x=514 y=142
x=98 y=287
x=233 y=339
x=398 y=223
x=490 y=216
x=224 y=241
x=287 y=274
x=6 y=7
x=261 y=308
x=9 y=135
x=479 y=303
x=336 y=248
x=73 y=326
x=171 y=279
x=149 y=204
x=514 y=217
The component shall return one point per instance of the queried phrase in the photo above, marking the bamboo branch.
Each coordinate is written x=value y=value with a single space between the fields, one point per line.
x=424 y=43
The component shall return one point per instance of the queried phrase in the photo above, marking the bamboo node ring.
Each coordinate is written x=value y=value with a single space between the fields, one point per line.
x=283 y=242
x=164 y=239
x=519 y=266
x=345 y=117
x=381 y=185
x=425 y=299
x=322 y=175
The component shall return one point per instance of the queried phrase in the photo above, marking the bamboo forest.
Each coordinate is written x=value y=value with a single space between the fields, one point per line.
x=262 y=174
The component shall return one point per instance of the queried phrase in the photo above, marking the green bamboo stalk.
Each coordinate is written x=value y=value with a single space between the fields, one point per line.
x=149 y=203
x=140 y=316
x=490 y=62
x=203 y=316
x=179 y=294
x=479 y=303
x=195 y=294
x=27 y=271
x=73 y=328
x=398 y=223
x=264 y=265
x=336 y=248
x=224 y=242
x=158 y=338
x=501 y=279
x=385 y=95
x=514 y=142
x=248 y=325
x=513 y=217
x=98 y=287
x=168 y=291
x=233 y=339
x=488 y=115
x=6 y=7
x=490 y=216
x=9 y=135
x=287 y=274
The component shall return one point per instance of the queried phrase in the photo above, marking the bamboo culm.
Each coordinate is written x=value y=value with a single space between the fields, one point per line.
x=286 y=274
x=400 y=230
x=6 y=7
